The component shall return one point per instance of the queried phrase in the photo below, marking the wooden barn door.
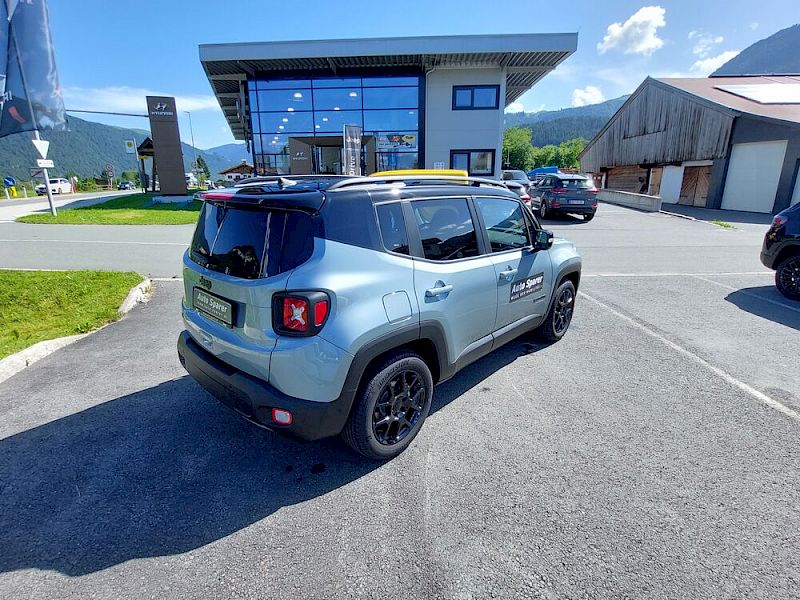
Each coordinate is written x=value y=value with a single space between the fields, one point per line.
x=694 y=189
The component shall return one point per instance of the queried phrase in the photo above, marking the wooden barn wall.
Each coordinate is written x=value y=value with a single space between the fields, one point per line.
x=659 y=126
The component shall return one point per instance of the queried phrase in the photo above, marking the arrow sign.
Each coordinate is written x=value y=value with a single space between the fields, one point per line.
x=42 y=146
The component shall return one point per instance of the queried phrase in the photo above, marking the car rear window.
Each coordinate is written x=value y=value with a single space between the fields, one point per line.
x=251 y=242
x=577 y=184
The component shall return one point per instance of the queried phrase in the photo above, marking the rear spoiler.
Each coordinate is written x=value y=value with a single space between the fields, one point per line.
x=306 y=200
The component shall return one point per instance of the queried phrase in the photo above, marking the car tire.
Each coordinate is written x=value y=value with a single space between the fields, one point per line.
x=381 y=426
x=543 y=210
x=787 y=277
x=559 y=318
x=588 y=216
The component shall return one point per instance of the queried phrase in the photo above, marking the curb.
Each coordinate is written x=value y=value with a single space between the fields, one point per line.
x=14 y=363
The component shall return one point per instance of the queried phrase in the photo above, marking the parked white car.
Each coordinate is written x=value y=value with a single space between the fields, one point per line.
x=57 y=186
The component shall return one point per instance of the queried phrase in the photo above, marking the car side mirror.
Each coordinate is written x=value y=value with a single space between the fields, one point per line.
x=544 y=240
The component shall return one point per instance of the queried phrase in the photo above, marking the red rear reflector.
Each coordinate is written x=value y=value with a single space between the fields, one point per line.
x=281 y=417
x=555 y=204
x=779 y=220
x=295 y=314
x=593 y=191
x=216 y=195
x=560 y=190
x=525 y=198
x=320 y=312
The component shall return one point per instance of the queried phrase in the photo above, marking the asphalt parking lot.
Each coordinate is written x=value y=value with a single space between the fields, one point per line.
x=651 y=453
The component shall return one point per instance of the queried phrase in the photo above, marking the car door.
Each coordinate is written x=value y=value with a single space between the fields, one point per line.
x=523 y=276
x=538 y=193
x=453 y=276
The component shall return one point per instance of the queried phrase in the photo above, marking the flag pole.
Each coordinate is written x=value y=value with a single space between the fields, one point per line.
x=36 y=135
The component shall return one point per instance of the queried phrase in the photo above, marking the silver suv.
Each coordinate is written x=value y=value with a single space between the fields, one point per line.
x=320 y=306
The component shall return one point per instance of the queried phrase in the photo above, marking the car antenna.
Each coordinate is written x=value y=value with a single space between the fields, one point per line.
x=284 y=183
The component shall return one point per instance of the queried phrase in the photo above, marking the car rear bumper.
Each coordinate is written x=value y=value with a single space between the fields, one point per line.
x=254 y=398
x=573 y=208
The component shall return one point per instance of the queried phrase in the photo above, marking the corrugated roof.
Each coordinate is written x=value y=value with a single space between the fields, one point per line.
x=527 y=58
x=707 y=89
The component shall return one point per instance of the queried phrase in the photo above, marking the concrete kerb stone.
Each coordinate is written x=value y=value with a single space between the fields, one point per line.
x=13 y=364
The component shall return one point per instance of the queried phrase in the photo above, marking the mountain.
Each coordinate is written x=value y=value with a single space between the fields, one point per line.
x=556 y=126
x=778 y=54
x=233 y=153
x=85 y=150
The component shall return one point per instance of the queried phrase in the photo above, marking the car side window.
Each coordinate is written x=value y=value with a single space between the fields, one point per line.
x=445 y=228
x=505 y=223
x=393 y=227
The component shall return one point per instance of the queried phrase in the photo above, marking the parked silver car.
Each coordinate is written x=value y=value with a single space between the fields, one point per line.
x=320 y=306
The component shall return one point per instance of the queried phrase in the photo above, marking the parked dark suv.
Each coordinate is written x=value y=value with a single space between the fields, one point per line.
x=781 y=251
x=565 y=193
x=322 y=306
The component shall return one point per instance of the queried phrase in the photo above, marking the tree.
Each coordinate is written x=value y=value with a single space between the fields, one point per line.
x=202 y=169
x=517 y=148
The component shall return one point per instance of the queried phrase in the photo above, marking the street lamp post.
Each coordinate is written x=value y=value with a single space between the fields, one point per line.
x=194 y=148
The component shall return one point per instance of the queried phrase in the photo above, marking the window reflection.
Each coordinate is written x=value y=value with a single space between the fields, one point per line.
x=284 y=99
x=337 y=99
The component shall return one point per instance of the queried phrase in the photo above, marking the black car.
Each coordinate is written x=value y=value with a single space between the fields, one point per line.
x=781 y=251
x=565 y=193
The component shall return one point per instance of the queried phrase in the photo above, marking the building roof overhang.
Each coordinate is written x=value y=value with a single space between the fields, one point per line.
x=526 y=58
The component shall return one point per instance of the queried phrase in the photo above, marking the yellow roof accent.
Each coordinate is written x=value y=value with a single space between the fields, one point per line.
x=449 y=172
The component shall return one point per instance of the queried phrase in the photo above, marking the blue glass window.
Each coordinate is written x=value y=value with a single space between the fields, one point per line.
x=333 y=120
x=284 y=99
x=286 y=122
x=333 y=82
x=283 y=84
x=390 y=120
x=390 y=81
x=393 y=97
x=337 y=98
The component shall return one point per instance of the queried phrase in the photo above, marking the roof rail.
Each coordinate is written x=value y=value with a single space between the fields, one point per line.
x=416 y=180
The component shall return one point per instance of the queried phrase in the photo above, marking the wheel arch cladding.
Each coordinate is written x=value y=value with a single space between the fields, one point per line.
x=790 y=250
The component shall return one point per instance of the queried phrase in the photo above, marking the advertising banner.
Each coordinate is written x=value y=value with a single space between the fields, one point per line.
x=168 y=154
x=352 y=151
x=396 y=141
x=30 y=94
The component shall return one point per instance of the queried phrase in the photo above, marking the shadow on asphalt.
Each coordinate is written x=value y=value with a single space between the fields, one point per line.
x=752 y=301
x=164 y=471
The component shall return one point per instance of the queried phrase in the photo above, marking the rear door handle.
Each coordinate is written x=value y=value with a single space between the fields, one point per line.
x=440 y=290
x=508 y=274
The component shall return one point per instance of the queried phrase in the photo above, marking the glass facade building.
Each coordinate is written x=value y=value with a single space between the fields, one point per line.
x=297 y=124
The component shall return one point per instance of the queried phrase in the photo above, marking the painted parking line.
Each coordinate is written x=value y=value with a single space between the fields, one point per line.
x=748 y=294
x=112 y=242
x=722 y=374
x=670 y=274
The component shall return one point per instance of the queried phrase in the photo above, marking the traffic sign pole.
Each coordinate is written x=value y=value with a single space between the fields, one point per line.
x=46 y=180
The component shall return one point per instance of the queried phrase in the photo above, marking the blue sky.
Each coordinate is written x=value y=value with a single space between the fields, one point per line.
x=111 y=54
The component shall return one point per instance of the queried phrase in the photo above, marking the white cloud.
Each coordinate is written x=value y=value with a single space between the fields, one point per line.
x=129 y=99
x=704 y=42
x=637 y=35
x=588 y=95
x=706 y=66
x=754 y=25
x=515 y=107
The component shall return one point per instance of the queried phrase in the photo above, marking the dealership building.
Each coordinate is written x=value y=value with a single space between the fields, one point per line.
x=433 y=102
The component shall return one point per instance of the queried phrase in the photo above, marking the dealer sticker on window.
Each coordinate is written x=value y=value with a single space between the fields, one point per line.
x=526 y=287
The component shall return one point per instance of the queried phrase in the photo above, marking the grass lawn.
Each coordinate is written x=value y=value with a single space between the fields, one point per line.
x=42 y=305
x=128 y=210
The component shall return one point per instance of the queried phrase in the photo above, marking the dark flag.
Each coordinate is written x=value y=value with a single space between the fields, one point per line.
x=30 y=95
x=352 y=150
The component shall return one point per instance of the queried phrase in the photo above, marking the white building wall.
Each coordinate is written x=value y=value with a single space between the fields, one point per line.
x=447 y=129
x=671 y=181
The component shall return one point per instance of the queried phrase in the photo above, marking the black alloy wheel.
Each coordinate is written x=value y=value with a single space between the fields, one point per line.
x=398 y=408
x=543 y=209
x=562 y=310
x=787 y=278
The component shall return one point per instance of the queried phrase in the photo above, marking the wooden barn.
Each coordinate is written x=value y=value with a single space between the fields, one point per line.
x=718 y=142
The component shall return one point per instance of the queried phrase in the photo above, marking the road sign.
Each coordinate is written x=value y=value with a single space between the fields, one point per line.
x=195 y=165
x=36 y=173
x=130 y=146
x=9 y=181
x=42 y=146
x=44 y=163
